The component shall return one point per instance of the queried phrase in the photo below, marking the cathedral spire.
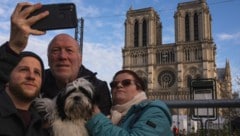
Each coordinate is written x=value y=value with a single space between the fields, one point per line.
x=131 y=7
x=227 y=71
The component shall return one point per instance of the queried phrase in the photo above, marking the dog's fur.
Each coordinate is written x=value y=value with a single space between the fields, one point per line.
x=70 y=109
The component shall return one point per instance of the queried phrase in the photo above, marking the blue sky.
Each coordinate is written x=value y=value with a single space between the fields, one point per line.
x=104 y=30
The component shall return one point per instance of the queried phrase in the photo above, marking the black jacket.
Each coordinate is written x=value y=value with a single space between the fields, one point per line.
x=11 y=123
x=102 y=93
x=8 y=60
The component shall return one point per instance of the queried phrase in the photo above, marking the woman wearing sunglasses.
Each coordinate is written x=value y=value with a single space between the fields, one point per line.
x=132 y=113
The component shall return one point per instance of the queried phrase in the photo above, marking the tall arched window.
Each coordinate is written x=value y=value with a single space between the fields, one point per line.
x=196 y=27
x=136 y=34
x=144 y=33
x=187 y=31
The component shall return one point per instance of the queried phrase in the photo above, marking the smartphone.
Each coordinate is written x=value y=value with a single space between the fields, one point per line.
x=61 y=16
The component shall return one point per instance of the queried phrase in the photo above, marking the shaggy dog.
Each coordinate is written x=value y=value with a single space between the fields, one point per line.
x=69 y=110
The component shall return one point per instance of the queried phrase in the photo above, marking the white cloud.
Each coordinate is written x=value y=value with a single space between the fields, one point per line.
x=2 y=11
x=168 y=39
x=99 y=24
x=89 y=11
x=226 y=36
x=3 y=38
x=105 y=60
x=5 y=26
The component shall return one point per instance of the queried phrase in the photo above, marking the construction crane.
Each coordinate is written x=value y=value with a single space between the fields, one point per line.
x=79 y=33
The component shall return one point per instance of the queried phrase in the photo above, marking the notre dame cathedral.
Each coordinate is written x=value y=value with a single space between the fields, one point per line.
x=168 y=69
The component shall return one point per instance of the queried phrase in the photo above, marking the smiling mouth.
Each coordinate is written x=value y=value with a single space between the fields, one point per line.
x=30 y=84
x=120 y=92
x=62 y=65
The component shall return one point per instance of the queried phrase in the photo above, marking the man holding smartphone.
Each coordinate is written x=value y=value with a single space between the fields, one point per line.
x=20 y=31
x=64 y=56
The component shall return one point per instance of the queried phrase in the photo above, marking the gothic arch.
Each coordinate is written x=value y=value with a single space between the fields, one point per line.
x=187 y=27
x=138 y=57
x=144 y=32
x=196 y=26
x=192 y=71
x=136 y=33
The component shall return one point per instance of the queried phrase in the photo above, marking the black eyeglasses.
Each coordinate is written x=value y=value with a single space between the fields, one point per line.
x=124 y=83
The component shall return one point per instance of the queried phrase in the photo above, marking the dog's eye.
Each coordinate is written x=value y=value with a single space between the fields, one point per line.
x=70 y=91
x=86 y=92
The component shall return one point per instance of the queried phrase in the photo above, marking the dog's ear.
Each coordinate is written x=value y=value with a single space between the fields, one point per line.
x=95 y=98
x=88 y=93
x=86 y=87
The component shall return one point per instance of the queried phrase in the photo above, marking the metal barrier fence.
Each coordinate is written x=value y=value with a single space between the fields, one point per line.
x=206 y=117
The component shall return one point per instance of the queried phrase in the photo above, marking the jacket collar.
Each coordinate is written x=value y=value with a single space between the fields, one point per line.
x=6 y=105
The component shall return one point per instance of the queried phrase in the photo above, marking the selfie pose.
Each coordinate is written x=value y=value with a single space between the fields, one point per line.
x=64 y=56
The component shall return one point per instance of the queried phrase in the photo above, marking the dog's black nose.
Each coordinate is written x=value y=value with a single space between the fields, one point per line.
x=76 y=98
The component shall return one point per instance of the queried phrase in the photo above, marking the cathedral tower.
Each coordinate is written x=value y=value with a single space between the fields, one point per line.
x=143 y=32
x=195 y=46
x=168 y=68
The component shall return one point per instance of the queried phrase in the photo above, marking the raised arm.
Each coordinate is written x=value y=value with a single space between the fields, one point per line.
x=21 y=25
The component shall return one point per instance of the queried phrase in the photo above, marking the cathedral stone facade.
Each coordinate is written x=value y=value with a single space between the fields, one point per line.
x=168 y=69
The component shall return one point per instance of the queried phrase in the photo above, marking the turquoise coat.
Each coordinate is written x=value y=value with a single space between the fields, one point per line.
x=149 y=118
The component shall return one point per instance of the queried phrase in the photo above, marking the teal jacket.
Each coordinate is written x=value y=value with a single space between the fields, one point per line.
x=149 y=118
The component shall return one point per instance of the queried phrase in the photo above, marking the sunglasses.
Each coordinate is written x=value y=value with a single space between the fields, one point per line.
x=124 y=83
